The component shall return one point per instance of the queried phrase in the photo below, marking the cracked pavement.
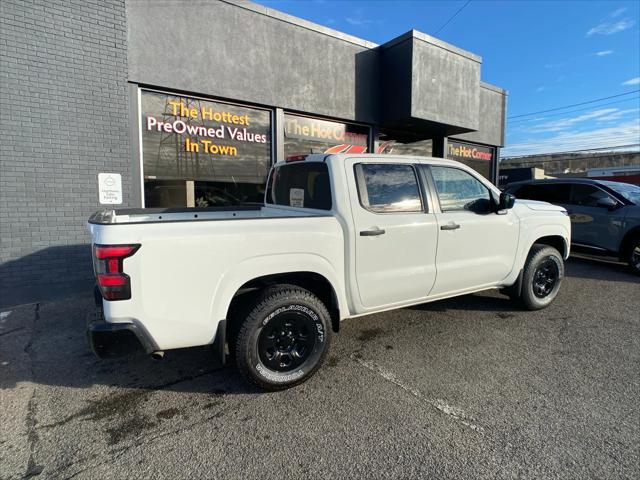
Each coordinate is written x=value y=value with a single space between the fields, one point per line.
x=462 y=388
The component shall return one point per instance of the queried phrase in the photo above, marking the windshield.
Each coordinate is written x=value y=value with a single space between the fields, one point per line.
x=627 y=190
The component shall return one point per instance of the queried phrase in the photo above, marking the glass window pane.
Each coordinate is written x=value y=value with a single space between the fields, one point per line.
x=587 y=195
x=301 y=184
x=478 y=157
x=225 y=149
x=304 y=135
x=388 y=188
x=459 y=190
x=552 y=193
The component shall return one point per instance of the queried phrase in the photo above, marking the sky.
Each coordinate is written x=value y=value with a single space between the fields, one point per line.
x=546 y=54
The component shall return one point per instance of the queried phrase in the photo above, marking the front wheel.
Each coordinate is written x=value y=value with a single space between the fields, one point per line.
x=542 y=275
x=633 y=256
x=284 y=339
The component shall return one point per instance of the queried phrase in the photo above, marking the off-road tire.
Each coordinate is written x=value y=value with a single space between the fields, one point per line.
x=540 y=257
x=272 y=307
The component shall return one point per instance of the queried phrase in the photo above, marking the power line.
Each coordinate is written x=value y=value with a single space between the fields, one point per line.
x=573 y=105
x=452 y=17
x=576 y=110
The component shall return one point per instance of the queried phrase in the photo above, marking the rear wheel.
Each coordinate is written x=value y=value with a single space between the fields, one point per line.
x=633 y=256
x=284 y=338
x=542 y=275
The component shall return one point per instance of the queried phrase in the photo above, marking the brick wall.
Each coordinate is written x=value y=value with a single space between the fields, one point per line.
x=63 y=119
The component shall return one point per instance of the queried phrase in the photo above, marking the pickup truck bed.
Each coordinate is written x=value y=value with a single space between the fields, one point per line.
x=164 y=215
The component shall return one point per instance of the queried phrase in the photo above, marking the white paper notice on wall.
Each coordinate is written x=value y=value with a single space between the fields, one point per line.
x=110 y=188
x=296 y=197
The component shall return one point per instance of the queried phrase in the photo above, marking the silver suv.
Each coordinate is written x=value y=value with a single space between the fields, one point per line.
x=605 y=216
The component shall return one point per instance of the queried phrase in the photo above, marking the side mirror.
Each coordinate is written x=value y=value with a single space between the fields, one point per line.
x=607 y=202
x=507 y=201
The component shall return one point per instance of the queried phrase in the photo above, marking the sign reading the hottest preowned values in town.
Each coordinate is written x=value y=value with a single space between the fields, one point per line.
x=468 y=151
x=191 y=138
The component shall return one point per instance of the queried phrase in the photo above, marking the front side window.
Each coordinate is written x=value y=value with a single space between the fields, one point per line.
x=301 y=184
x=587 y=195
x=459 y=190
x=388 y=188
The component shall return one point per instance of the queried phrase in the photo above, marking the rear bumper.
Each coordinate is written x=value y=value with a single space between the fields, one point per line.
x=111 y=340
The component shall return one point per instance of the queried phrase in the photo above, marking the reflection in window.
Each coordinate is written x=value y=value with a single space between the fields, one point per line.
x=201 y=152
x=459 y=190
x=386 y=188
x=587 y=195
x=303 y=184
x=304 y=135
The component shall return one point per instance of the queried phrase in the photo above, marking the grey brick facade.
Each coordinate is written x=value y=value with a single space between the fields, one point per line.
x=64 y=118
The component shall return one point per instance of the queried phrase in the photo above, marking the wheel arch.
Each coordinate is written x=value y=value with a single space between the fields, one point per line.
x=310 y=271
x=627 y=240
x=556 y=241
x=314 y=282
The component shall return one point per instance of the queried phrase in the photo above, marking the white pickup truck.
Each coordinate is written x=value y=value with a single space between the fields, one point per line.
x=338 y=236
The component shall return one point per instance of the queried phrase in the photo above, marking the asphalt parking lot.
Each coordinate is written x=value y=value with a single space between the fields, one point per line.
x=464 y=388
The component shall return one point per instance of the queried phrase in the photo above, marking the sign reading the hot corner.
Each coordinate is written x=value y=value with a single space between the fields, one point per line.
x=468 y=151
x=192 y=138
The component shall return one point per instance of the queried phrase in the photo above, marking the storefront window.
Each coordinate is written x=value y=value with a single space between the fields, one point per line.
x=304 y=135
x=202 y=153
x=389 y=143
x=478 y=157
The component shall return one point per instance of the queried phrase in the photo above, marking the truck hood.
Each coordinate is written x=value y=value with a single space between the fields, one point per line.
x=541 y=206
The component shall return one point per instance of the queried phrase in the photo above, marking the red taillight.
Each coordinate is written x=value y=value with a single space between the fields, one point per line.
x=112 y=280
x=114 y=251
x=114 y=284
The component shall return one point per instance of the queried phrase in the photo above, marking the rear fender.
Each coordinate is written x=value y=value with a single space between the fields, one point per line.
x=255 y=267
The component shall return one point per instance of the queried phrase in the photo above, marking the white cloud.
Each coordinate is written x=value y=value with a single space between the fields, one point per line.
x=616 y=115
x=625 y=133
x=359 y=19
x=609 y=28
x=618 y=12
x=604 y=53
x=632 y=81
x=564 y=123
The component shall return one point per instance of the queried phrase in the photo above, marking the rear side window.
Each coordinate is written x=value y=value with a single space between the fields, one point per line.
x=303 y=184
x=388 y=188
x=550 y=192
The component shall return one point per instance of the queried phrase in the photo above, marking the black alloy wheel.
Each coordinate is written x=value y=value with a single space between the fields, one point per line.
x=545 y=278
x=541 y=277
x=283 y=337
x=287 y=341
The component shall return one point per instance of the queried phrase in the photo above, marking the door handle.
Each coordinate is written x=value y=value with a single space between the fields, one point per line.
x=450 y=226
x=372 y=233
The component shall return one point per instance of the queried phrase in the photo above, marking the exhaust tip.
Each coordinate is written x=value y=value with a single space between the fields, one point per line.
x=157 y=355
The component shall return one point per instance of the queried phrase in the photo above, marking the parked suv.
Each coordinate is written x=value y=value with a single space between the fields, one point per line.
x=605 y=216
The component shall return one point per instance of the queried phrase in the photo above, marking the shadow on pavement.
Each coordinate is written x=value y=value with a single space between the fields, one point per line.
x=598 y=268
x=51 y=338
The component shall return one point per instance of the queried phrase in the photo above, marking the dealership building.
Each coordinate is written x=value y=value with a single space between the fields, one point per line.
x=188 y=103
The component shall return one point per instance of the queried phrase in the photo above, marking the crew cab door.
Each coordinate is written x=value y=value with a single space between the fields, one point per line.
x=395 y=235
x=476 y=245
